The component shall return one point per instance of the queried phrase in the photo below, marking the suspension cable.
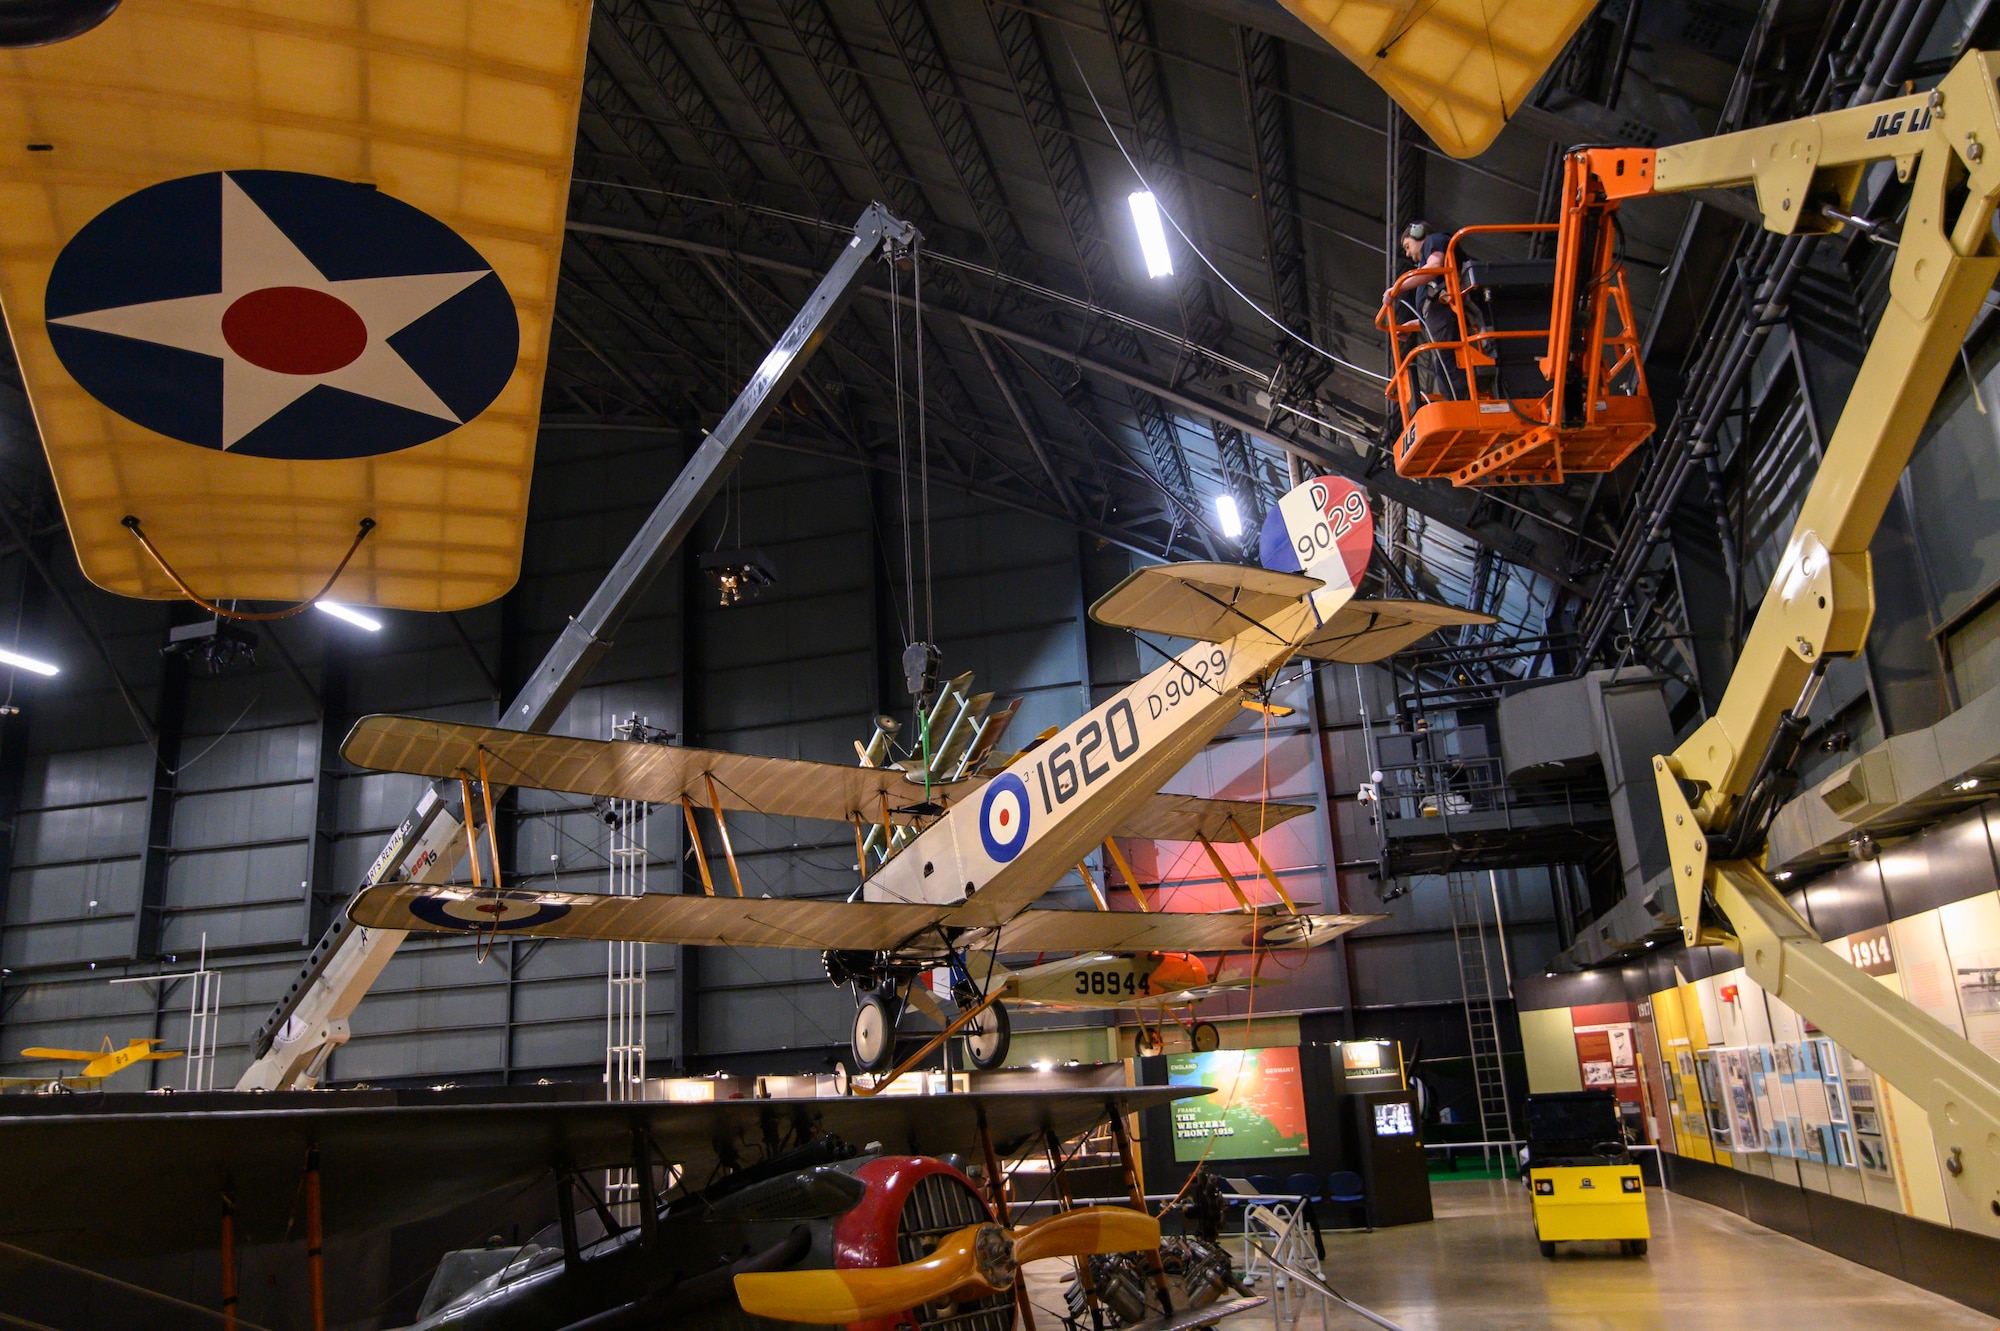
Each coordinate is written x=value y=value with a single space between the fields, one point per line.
x=132 y=524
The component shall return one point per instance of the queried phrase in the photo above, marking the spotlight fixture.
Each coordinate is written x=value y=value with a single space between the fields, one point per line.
x=1784 y=875
x=20 y=662
x=1970 y=783
x=1229 y=516
x=350 y=615
x=738 y=573
x=1152 y=234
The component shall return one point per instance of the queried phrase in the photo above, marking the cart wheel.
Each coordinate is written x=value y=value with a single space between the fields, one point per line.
x=1635 y=1247
x=987 y=1036
x=874 y=1041
x=1549 y=1249
x=1206 y=1038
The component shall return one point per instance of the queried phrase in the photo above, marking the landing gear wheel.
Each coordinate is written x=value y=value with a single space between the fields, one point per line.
x=1149 y=1044
x=1548 y=1249
x=874 y=1041
x=987 y=1037
x=1634 y=1247
x=1206 y=1038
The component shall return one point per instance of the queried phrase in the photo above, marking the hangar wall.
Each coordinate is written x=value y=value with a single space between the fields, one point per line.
x=250 y=829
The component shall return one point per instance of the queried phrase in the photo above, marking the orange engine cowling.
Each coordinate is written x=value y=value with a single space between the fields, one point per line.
x=1177 y=971
x=913 y=1202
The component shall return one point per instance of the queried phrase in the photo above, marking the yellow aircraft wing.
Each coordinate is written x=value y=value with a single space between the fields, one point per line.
x=62 y=1055
x=798 y=922
x=1460 y=68
x=1215 y=602
x=274 y=270
x=744 y=782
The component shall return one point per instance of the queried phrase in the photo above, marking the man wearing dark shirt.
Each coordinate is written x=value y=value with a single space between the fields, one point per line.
x=1438 y=375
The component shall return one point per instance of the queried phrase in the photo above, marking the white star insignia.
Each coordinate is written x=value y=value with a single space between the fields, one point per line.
x=280 y=328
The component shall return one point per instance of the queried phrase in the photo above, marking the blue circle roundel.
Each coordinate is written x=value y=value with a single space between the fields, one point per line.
x=281 y=315
x=1003 y=817
x=480 y=911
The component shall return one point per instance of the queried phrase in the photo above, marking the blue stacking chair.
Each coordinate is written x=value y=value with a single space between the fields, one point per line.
x=1266 y=1184
x=1302 y=1185
x=1344 y=1188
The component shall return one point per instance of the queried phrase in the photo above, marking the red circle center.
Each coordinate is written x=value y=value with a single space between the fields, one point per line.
x=294 y=330
x=1004 y=816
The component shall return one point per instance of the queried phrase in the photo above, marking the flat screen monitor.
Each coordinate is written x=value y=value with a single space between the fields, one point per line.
x=1393 y=1120
x=1258 y=1110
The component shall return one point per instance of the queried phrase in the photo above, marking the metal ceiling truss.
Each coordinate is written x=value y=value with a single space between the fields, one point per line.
x=651 y=329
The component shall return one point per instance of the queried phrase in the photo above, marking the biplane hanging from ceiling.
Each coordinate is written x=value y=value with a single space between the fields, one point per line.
x=280 y=285
x=985 y=849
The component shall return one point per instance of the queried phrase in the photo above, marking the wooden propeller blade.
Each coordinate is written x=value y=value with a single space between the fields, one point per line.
x=972 y=1263
x=1090 y=1229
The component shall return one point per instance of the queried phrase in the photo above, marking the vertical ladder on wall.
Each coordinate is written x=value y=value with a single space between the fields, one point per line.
x=625 y=980
x=1475 y=977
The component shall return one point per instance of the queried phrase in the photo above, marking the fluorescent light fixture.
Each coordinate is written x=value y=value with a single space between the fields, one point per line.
x=21 y=662
x=1152 y=234
x=1229 y=516
x=351 y=615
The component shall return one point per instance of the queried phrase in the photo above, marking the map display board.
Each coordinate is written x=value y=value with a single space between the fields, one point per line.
x=1258 y=1110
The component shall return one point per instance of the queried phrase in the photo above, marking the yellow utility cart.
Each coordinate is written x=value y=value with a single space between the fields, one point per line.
x=1582 y=1177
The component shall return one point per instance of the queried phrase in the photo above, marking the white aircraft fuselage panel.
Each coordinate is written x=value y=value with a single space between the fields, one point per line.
x=998 y=851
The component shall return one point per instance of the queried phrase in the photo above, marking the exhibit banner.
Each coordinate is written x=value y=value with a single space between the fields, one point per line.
x=1258 y=1110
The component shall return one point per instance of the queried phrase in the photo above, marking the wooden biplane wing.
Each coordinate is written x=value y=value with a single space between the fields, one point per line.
x=744 y=782
x=1214 y=602
x=874 y=926
x=1166 y=931
x=1460 y=68
x=655 y=773
x=274 y=270
x=869 y=926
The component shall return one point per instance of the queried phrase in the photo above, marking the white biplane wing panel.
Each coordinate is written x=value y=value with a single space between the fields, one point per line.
x=654 y=918
x=1368 y=631
x=1184 y=817
x=1214 y=602
x=1207 y=602
x=655 y=773
x=1131 y=931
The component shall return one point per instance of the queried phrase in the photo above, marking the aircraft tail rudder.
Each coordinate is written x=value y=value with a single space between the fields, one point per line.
x=1323 y=529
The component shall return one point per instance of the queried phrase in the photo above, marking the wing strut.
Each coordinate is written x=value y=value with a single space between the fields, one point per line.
x=292 y=1045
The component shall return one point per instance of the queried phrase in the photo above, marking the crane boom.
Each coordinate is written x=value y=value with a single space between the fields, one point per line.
x=1720 y=788
x=294 y=1042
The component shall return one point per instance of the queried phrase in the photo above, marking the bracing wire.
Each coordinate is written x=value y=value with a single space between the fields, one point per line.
x=1188 y=240
x=902 y=451
x=923 y=447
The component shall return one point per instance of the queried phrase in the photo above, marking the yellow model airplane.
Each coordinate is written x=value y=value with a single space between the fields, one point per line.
x=985 y=849
x=97 y=1067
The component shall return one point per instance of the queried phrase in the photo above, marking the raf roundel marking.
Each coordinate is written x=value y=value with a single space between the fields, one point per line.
x=507 y=910
x=1003 y=818
x=276 y=314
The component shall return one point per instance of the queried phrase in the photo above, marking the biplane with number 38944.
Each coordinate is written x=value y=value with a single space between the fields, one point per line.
x=969 y=857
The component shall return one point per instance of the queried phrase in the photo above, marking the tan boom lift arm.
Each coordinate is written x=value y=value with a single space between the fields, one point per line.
x=1719 y=790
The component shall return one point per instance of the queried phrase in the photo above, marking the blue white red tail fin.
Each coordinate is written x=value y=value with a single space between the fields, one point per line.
x=1323 y=529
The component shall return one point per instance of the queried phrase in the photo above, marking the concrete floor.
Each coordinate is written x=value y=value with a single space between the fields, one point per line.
x=1477 y=1266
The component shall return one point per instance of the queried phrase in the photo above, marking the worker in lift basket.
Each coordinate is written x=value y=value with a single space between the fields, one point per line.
x=1438 y=375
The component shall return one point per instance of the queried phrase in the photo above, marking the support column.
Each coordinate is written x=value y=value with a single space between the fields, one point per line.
x=14 y=738
x=315 y=1258
x=228 y=1264
x=324 y=895
x=1332 y=893
x=170 y=715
